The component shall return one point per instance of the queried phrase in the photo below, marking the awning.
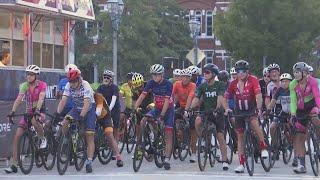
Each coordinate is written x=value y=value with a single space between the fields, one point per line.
x=73 y=9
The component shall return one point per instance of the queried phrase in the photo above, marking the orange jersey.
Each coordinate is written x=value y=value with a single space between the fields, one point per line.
x=182 y=92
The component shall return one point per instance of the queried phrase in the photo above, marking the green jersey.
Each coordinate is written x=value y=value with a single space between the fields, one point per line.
x=210 y=93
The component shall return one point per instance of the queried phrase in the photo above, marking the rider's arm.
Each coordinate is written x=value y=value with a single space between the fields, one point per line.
x=195 y=103
x=42 y=95
x=267 y=99
x=293 y=98
x=140 y=99
x=17 y=102
x=259 y=101
x=198 y=95
x=86 y=106
x=315 y=91
x=190 y=96
x=257 y=92
x=62 y=104
x=165 y=106
x=271 y=104
x=274 y=99
x=113 y=102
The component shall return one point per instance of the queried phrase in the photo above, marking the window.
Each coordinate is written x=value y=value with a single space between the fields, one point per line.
x=46 y=24
x=58 y=57
x=101 y=7
x=198 y=17
x=17 y=53
x=36 y=54
x=36 y=33
x=209 y=23
x=58 y=30
x=4 y=24
x=47 y=55
x=209 y=56
x=18 y=26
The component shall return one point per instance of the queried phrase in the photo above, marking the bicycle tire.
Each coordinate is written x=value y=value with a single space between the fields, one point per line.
x=212 y=150
x=49 y=151
x=130 y=137
x=184 y=146
x=64 y=148
x=249 y=152
x=202 y=151
x=79 y=153
x=286 y=146
x=313 y=154
x=25 y=149
x=160 y=146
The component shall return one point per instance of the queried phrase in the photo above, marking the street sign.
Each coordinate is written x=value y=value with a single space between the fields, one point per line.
x=190 y=56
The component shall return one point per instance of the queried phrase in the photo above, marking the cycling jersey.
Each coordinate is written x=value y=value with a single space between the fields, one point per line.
x=245 y=100
x=146 y=101
x=126 y=92
x=271 y=89
x=210 y=94
x=32 y=95
x=200 y=80
x=108 y=91
x=182 y=92
x=282 y=96
x=78 y=95
x=95 y=86
x=301 y=99
x=61 y=86
x=161 y=91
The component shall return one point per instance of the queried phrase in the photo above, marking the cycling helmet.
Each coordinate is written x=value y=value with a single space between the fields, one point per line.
x=177 y=72
x=300 y=66
x=137 y=80
x=242 y=65
x=223 y=76
x=310 y=68
x=233 y=71
x=156 y=69
x=186 y=72
x=73 y=75
x=265 y=71
x=211 y=67
x=285 y=76
x=273 y=66
x=70 y=67
x=194 y=70
x=33 y=68
x=130 y=75
x=108 y=73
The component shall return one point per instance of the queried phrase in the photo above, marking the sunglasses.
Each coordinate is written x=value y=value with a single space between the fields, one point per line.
x=107 y=77
x=30 y=74
x=207 y=72
x=241 y=71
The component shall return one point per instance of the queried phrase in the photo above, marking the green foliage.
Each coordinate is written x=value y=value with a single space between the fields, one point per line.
x=281 y=30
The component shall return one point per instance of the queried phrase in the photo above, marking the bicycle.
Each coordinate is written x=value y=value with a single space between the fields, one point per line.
x=182 y=137
x=128 y=135
x=102 y=149
x=313 y=142
x=250 y=146
x=153 y=142
x=71 y=144
x=230 y=137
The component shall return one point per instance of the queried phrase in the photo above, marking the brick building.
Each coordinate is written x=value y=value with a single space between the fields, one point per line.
x=204 y=11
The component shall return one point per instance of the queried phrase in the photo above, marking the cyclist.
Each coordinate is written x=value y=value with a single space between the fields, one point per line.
x=162 y=90
x=34 y=91
x=282 y=95
x=211 y=92
x=233 y=73
x=104 y=120
x=224 y=77
x=110 y=92
x=83 y=110
x=305 y=101
x=310 y=68
x=247 y=93
x=183 y=92
x=274 y=84
x=176 y=76
x=263 y=84
x=196 y=75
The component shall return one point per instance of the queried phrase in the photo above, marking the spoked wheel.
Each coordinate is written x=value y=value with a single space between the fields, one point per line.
x=131 y=137
x=49 y=154
x=249 y=152
x=148 y=139
x=230 y=145
x=80 y=153
x=63 y=154
x=202 y=151
x=160 y=146
x=103 y=150
x=137 y=157
x=38 y=159
x=26 y=153
x=184 y=146
x=286 y=146
x=176 y=143
x=122 y=139
x=213 y=147
x=313 y=148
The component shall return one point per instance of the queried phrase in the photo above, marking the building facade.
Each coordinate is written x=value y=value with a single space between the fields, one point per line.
x=204 y=11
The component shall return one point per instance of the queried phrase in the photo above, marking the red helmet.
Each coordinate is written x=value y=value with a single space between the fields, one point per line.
x=73 y=74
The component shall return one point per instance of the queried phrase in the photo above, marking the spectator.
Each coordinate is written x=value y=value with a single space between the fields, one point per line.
x=5 y=59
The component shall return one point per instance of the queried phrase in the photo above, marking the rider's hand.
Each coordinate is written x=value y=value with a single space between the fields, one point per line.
x=161 y=117
x=186 y=114
x=10 y=116
x=37 y=113
x=227 y=111
x=259 y=112
x=293 y=119
x=56 y=119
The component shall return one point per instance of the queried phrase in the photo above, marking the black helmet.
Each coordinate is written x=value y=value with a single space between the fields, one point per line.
x=242 y=65
x=300 y=66
x=129 y=75
x=212 y=68
x=223 y=76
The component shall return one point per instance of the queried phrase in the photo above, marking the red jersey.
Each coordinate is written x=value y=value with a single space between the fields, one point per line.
x=247 y=99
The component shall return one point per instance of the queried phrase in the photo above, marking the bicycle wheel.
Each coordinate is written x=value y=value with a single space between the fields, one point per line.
x=160 y=146
x=249 y=152
x=38 y=159
x=202 y=151
x=213 y=147
x=137 y=158
x=131 y=137
x=26 y=153
x=184 y=146
x=313 y=148
x=286 y=146
x=175 y=146
x=267 y=163
x=49 y=154
x=63 y=153
x=230 y=144
x=103 y=150
x=148 y=140
x=122 y=137
x=79 y=153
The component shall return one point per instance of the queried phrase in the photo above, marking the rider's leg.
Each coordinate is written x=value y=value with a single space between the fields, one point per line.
x=198 y=125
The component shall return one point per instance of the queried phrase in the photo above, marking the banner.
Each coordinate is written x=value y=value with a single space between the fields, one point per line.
x=9 y=88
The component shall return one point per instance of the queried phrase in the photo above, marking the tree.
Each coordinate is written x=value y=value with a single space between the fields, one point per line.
x=149 y=30
x=281 y=30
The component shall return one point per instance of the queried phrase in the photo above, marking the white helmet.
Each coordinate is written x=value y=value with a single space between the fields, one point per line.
x=216 y=78
x=33 y=68
x=70 y=67
x=265 y=71
x=274 y=66
x=156 y=69
x=285 y=76
x=310 y=68
x=177 y=72
x=194 y=70
x=186 y=72
x=233 y=71
x=108 y=73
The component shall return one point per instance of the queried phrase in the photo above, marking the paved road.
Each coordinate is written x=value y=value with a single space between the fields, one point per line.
x=179 y=171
